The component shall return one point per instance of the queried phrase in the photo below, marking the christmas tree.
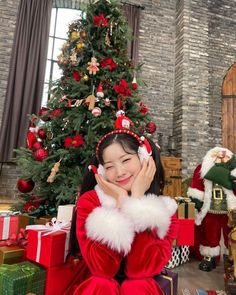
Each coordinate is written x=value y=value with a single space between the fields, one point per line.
x=96 y=93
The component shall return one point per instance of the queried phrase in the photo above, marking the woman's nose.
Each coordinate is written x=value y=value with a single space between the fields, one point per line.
x=120 y=171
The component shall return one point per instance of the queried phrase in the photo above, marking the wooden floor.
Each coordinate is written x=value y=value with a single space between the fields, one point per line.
x=191 y=278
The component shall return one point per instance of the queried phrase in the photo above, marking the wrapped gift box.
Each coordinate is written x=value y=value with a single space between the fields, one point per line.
x=186 y=210
x=180 y=255
x=8 y=226
x=43 y=220
x=47 y=249
x=60 y=278
x=11 y=254
x=22 y=278
x=65 y=212
x=168 y=281
x=186 y=233
x=24 y=220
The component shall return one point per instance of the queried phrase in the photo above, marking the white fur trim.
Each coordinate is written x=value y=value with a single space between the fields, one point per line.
x=101 y=170
x=110 y=227
x=231 y=198
x=105 y=200
x=233 y=172
x=206 y=202
x=209 y=161
x=150 y=212
x=209 y=251
x=195 y=193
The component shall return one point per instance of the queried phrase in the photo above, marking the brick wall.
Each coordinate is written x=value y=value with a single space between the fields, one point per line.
x=187 y=47
x=205 y=49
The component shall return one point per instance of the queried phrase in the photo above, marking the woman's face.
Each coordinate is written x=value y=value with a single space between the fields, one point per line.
x=121 y=167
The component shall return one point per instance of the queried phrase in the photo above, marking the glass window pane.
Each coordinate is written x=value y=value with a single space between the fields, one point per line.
x=52 y=24
x=45 y=95
x=57 y=48
x=50 y=43
x=64 y=18
x=56 y=72
x=47 y=72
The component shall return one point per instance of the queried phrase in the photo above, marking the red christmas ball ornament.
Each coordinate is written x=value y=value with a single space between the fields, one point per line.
x=25 y=186
x=43 y=111
x=96 y=112
x=151 y=127
x=37 y=145
x=40 y=154
x=41 y=133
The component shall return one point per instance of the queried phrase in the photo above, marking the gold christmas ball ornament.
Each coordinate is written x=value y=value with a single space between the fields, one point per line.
x=74 y=35
x=85 y=77
x=80 y=45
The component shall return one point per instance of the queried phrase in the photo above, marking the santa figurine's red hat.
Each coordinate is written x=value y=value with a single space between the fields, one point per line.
x=100 y=93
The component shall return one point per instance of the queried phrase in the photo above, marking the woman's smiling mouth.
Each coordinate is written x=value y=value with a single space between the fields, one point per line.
x=125 y=180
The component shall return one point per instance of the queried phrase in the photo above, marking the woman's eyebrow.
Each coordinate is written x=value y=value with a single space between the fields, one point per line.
x=126 y=154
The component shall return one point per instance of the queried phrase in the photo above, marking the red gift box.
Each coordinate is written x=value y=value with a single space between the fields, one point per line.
x=60 y=278
x=48 y=249
x=8 y=226
x=186 y=232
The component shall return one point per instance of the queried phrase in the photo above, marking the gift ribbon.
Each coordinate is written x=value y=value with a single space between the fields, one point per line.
x=171 y=284
x=186 y=210
x=29 y=270
x=51 y=227
x=185 y=201
x=6 y=227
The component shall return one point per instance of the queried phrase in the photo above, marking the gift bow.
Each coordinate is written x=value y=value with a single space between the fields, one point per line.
x=19 y=239
x=181 y=199
x=53 y=226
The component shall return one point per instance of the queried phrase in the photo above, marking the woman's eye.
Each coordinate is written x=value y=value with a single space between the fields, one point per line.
x=108 y=167
x=126 y=160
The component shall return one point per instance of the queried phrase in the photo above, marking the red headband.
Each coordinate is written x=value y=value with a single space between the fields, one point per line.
x=142 y=140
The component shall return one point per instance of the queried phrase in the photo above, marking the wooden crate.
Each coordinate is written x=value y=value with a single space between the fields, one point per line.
x=173 y=178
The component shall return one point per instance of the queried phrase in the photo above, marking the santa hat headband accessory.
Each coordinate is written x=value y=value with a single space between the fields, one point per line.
x=144 y=150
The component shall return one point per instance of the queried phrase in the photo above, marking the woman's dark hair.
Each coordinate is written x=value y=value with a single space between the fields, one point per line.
x=130 y=145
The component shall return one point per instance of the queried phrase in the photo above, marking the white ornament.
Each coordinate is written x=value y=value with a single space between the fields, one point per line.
x=96 y=112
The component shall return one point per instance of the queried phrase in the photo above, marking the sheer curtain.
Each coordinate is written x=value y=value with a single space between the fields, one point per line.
x=132 y=13
x=26 y=74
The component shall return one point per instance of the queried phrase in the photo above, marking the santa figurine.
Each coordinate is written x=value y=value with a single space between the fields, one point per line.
x=122 y=121
x=213 y=190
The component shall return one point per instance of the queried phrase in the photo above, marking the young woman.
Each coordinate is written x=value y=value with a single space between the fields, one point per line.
x=124 y=229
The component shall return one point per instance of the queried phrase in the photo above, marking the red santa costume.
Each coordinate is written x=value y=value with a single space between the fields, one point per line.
x=212 y=185
x=140 y=234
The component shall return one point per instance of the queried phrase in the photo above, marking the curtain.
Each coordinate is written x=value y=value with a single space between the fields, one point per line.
x=132 y=13
x=26 y=74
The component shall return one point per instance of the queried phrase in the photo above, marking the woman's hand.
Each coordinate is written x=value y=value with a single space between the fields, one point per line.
x=111 y=189
x=144 y=179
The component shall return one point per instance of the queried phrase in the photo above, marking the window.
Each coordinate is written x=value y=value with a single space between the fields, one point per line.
x=60 y=20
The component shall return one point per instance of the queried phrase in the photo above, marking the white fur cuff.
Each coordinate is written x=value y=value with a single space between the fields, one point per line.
x=233 y=172
x=150 y=212
x=209 y=251
x=195 y=193
x=110 y=227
